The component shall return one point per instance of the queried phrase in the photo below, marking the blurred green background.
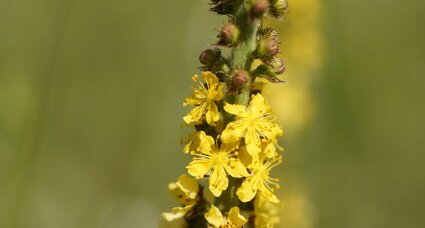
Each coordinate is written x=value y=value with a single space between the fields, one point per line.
x=90 y=111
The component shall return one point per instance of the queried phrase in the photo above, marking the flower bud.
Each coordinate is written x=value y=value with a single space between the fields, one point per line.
x=277 y=65
x=241 y=78
x=278 y=7
x=267 y=49
x=271 y=47
x=209 y=56
x=228 y=35
x=260 y=7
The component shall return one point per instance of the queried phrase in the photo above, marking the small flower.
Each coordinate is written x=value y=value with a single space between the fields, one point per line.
x=205 y=99
x=253 y=123
x=185 y=191
x=219 y=160
x=260 y=180
x=234 y=218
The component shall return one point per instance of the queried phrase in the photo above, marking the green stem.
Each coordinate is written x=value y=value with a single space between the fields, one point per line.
x=242 y=54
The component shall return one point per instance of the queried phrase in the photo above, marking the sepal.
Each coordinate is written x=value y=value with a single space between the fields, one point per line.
x=265 y=71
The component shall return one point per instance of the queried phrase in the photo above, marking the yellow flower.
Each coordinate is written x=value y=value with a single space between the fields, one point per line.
x=234 y=218
x=270 y=147
x=185 y=190
x=253 y=123
x=260 y=180
x=195 y=143
x=219 y=160
x=266 y=213
x=204 y=99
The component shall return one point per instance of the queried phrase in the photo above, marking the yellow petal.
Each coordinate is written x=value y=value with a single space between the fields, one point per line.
x=237 y=110
x=258 y=105
x=206 y=143
x=277 y=131
x=176 y=213
x=235 y=168
x=210 y=78
x=177 y=193
x=234 y=131
x=212 y=115
x=198 y=168
x=185 y=190
x=192 y=143
x=253 y=142
x=219 y=94
x=244 y=156
x=228 y=148
x=270 y=148
x=267 y=193
x=218 y=181
x=188 y=185
x=214 y=216
x=235 y=217
x=195 y=115
x=196 y=99
x=247 y=191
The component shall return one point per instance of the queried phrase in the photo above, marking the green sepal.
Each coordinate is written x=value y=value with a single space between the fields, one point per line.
x=264 y=71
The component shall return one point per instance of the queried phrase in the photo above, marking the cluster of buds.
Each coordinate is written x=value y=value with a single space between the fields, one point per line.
x=235 y=142
x=267 y=51
x=267 y=44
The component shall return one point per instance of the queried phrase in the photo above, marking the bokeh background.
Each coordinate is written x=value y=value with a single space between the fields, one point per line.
x=90 y=111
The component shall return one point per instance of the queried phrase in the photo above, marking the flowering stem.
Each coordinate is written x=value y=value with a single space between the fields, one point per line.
x=241 y=59
x=236 y=133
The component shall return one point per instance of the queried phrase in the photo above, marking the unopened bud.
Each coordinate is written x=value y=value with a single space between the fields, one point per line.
x=241 y=78
x=228 y=35
x=278 y=7
x=209 y=56
x=260 y=7
x=271 y=47
x=267 y=49
x=278 y=65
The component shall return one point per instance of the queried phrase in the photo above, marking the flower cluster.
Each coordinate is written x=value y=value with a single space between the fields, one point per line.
x=235 y=143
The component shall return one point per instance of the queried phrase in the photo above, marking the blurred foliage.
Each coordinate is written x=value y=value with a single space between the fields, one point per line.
x=90 y=115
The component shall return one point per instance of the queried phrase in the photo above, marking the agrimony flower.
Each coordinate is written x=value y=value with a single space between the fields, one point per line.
x=253 y=123
x=234 y=218
x=260 y=180
x=218 y=160
x=266 y=213
x=204 y=99
x=185 y=191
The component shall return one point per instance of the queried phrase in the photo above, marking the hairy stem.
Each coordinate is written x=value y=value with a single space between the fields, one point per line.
x=242 y=54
